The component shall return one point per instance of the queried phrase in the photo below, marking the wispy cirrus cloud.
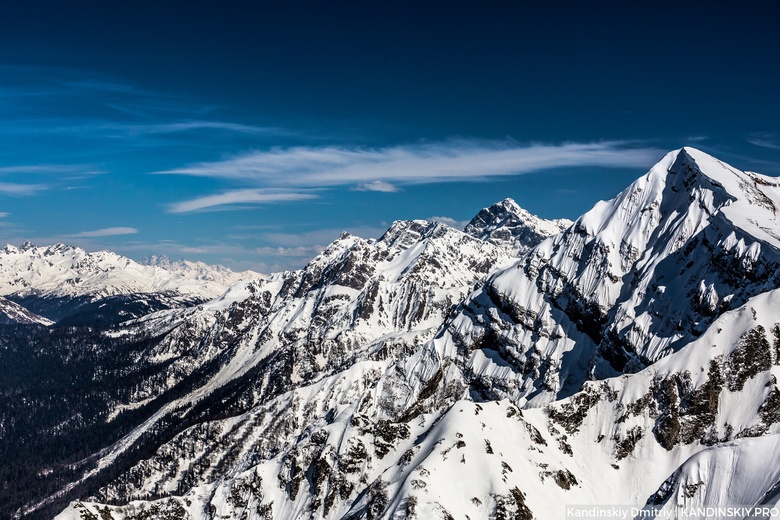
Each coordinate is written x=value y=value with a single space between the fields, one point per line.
x=11 y=188
x=45 y=99
x=765 y=140
x=455 y=160
x=186 y=126
x=104 y=232
x=376 y=186
x=384 y=169
x=238 y=198
x=51 y=169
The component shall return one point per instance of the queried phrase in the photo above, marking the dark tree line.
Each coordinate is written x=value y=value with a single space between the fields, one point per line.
x=57 y=389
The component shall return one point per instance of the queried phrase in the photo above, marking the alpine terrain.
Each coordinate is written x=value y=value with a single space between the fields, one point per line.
x=515 y=369
x=65 y=282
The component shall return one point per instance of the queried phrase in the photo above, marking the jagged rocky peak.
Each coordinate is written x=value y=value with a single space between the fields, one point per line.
x=430 y=254
x=404 y=233
x=29 y=249
x=507 y=224
x=198 y=270
x=436 y=254
x=159 y=260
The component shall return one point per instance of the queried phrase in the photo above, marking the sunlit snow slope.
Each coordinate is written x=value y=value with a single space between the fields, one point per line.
x=67 y=271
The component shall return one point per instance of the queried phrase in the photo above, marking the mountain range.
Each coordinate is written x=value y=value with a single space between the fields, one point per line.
x=514 y=369
x=64 y=282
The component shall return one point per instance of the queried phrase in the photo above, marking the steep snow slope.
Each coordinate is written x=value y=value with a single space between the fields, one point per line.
x=66 y=271
x=632 y=280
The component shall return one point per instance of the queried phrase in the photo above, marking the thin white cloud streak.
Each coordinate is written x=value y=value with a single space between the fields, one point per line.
x=113 y=129
x=23 y=80
x=9 y=188
x=93 y=129
x=95 y=85
x=376 y=186
x=234 y=197
x=105 y=232
x=764 y=142
x=159 y=112
x=457 y=160
x=150 y=108
x=50 y=169
x=188 y=126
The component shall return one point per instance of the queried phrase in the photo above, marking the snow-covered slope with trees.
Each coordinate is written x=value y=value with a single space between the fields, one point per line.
x=631 y=358
x=11 y=312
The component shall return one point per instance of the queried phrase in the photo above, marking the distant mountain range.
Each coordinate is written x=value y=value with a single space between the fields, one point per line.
x=64 y=282
x=505 y=371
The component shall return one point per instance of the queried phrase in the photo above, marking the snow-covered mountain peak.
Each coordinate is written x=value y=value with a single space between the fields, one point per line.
x=413 y=251
x=756 y=197
x=507 y=224
x=682 y=194
x=631 y=281
x=403 y=233
x=198 y=270
x=62 y=270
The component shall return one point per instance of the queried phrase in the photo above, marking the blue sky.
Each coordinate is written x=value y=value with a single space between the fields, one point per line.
x=251 y=134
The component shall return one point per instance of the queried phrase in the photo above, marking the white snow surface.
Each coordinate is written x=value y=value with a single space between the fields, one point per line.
x=66 y=271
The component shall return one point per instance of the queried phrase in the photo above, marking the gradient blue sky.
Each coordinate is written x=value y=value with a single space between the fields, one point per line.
x=252 y=133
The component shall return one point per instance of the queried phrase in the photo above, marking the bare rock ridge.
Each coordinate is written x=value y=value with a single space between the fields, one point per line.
x=502 y=372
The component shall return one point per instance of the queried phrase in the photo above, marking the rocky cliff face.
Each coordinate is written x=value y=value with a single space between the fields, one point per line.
x=432 y=374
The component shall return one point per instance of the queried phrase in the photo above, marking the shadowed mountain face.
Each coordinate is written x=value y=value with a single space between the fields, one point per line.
x=504 y=372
